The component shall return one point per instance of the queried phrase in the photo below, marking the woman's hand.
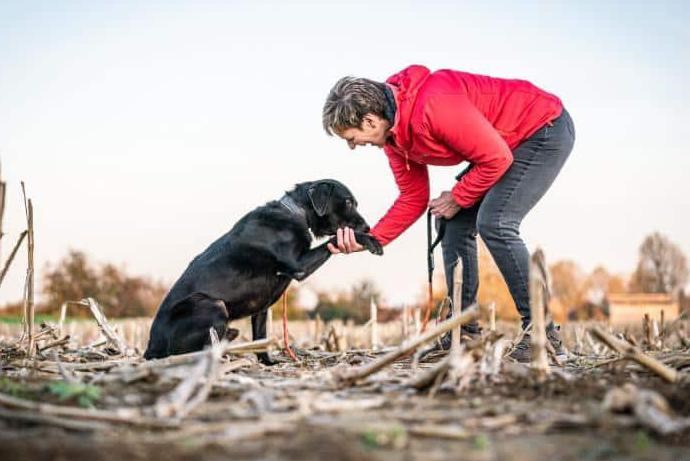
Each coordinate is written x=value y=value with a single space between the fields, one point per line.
x=346 y=242
x=444 y=206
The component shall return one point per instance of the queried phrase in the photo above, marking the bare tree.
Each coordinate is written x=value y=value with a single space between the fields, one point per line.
x=662 y=267
x=120 y=294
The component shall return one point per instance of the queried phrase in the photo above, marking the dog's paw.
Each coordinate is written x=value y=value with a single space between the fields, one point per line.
x=370 y=243
x=265 y=358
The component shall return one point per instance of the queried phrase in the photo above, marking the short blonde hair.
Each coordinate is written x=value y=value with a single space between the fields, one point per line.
x=350 y=99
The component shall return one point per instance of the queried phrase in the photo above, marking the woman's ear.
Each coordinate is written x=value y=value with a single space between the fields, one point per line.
x=370 y=120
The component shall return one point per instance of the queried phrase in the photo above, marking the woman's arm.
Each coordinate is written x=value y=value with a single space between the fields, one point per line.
x=413 y=183
x=457 y=123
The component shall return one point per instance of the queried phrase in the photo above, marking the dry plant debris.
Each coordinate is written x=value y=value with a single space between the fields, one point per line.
x=385 y=398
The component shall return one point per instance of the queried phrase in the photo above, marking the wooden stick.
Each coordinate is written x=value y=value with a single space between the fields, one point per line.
x=63 y=314
x=10 y=258
x=59 y=342
x=537 y=289
x=194 y=388
x=630 y=338
x=269 y=322
x=633 y=353
x=352 y=376
x=260 y=345
x=492 y=316
x=456 y=310
x=405 y=320
x=65 y=423
x=3 y=191
x=655 y=334
x=373 y=318
x=114 y=338
x=332 y=333
x=416 y=318
x=121 y=416
x=29 y=307
x=647 y=328
x=429 y=376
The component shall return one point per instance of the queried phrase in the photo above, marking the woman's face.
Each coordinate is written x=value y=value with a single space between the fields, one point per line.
x=374 y=131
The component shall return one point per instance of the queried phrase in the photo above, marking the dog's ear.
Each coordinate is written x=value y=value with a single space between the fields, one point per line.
x=319 y=195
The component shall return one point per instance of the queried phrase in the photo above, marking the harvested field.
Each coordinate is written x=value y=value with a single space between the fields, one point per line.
x=86 y=397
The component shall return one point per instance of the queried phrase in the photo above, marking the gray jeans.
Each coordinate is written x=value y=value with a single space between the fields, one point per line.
x=497 y=217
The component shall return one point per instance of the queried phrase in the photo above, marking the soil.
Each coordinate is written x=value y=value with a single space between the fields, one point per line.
x=290 y=412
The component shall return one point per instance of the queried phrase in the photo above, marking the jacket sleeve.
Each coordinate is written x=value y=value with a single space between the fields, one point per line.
x=413 y=184
x=455 y=121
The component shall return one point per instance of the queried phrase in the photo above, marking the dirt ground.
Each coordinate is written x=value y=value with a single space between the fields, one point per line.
x=300 y=412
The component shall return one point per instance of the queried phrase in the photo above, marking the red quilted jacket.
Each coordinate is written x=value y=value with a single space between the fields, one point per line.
x=447 y=117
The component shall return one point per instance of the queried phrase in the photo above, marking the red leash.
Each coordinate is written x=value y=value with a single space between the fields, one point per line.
x=285 y=329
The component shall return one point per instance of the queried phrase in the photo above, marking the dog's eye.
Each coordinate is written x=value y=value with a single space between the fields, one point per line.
x=348 y=203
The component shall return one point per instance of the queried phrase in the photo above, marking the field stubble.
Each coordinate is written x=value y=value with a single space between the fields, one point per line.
x=87 y=394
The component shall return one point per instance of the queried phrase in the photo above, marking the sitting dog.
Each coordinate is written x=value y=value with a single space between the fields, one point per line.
x=246 y=270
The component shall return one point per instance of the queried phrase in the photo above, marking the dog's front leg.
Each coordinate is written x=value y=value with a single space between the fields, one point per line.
x=304 y=266
x=259 y=332
x=312 y=260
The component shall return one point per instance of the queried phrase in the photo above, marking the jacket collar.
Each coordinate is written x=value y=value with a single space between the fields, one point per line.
x=405 y=85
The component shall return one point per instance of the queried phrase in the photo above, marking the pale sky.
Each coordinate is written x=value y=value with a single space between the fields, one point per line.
x=145 y=130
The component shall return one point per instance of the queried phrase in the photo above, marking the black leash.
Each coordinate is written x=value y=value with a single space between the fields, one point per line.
x=430 y=245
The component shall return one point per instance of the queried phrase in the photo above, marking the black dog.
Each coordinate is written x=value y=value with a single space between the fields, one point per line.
x=246 y=270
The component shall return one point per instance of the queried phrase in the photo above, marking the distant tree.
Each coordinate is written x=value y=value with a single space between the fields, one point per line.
x=72 y=279
x=662 y=266
x=493 y=288
x=353 y=304
x=600 y=283
x=592 y=302
x=566 y=283
x=121 y=295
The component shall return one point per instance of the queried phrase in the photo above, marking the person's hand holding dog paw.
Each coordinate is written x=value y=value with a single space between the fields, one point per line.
x=346 y=241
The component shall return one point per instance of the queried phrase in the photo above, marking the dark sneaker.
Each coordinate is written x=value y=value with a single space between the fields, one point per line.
x=553 y=334
x=522 y=352
x=467 y=333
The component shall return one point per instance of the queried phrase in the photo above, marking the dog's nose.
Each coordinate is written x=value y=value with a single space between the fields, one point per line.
x=366 y=228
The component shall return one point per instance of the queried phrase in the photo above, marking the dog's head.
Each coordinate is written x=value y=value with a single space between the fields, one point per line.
x=330 y=205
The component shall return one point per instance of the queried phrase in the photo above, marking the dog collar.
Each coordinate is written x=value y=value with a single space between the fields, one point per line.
x=292 y=206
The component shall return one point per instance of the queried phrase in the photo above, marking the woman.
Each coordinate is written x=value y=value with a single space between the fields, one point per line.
x=515 y=136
